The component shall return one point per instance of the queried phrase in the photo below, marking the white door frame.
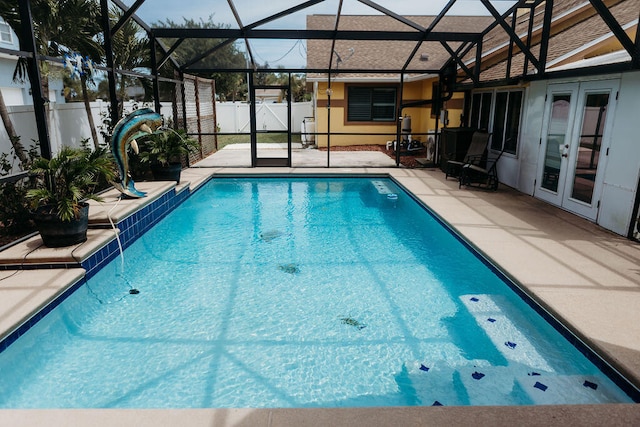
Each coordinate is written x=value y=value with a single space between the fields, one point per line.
x=569 y=151
x=590 y=209
x=555 y=173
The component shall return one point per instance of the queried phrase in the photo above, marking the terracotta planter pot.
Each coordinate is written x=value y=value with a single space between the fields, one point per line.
x=56 y=233
x=167 y=173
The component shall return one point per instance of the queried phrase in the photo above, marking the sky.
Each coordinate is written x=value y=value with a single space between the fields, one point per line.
x=292 y=53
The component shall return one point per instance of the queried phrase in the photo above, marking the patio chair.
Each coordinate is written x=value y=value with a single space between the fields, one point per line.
x=477 y=175
x=475 y=154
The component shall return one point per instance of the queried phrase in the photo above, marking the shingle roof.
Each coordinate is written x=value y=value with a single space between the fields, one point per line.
x=383 y=55
x=575 y=24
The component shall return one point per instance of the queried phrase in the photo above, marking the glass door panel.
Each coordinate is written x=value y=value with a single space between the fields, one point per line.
x=596 y=111
x=586 y=166
x=557 y=142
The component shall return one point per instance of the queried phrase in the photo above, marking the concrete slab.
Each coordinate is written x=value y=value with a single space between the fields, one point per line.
x=239 y=155
x=117 y=208
x=32 y=251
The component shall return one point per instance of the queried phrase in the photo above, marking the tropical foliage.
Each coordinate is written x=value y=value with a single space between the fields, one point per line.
x=68 y=178
x=14 y=209
x=131 y=51
x=167 y=147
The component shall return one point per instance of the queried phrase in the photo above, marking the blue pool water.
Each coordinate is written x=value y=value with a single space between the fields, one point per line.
x=301 y=292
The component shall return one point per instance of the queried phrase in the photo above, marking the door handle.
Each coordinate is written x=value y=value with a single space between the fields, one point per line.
x=565 y=155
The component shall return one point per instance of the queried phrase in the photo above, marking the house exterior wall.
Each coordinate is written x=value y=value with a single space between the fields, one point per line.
x=623 y=167
x=526 y=164
x=14 y=93
x=422 y=121
x=621 y=172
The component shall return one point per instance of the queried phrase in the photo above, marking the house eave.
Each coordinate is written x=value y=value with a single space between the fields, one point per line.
x=372 y=79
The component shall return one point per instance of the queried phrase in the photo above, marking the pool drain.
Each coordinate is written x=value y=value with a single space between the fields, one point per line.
x=134 y=291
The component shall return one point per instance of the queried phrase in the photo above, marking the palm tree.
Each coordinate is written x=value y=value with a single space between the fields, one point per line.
x=130 y=51
x=86 y=16
x=229 y=56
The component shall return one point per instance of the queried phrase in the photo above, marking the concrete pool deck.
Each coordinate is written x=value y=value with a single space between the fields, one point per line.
x=586 y=276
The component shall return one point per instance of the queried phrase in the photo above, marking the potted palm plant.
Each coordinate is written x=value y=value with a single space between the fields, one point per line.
x=60 y=188
x=164 y=151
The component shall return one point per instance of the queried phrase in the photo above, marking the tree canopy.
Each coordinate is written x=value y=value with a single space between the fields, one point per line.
x=228 y=85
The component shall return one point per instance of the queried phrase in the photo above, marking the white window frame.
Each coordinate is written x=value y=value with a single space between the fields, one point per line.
x=492 y=119
x=5 y=34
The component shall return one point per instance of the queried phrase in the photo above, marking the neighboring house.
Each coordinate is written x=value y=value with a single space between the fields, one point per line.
x=268 y=95
x=18 y=93
x=367 y=103
x=13 y=93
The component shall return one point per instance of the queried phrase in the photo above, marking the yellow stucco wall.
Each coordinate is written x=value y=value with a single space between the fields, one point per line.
x=421 y=119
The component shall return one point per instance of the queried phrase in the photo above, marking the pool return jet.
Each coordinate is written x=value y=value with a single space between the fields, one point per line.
x=141 y=122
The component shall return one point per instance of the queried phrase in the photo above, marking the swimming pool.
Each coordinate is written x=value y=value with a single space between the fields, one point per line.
x=296 y=293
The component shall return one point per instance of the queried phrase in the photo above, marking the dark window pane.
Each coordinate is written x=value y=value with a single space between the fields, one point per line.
x=475 y=110
x=359 y=104
x=485 y=111
x=499 y=120
x=371 y=104
x=513 y=122
x=384 y=104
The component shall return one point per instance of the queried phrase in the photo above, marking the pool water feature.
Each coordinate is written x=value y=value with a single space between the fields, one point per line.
x=303 y=292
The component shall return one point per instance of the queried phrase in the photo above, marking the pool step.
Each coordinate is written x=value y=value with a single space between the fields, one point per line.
x=476 y=383
x=553 y=389
x=493 y=313
x=472 y=383
x=386 y=196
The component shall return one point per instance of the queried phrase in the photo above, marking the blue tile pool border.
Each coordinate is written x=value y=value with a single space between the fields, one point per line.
x=33 y=320
x=134 y=226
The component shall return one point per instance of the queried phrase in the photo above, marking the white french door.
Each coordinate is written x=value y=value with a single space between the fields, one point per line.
x=575 y=140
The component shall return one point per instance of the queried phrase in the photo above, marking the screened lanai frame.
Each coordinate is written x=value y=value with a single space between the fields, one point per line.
x=461 y=71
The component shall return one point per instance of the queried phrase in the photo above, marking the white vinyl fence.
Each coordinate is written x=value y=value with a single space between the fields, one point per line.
x=233 y=117
x=68 y=123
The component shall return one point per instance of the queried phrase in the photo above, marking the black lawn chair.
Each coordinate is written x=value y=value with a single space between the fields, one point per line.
x=475 y=154
x=481 y=175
